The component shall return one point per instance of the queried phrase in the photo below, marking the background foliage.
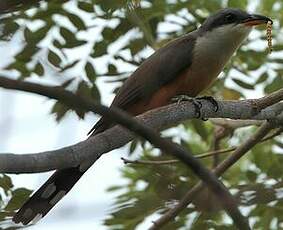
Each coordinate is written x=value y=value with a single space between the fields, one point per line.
x=65 y=42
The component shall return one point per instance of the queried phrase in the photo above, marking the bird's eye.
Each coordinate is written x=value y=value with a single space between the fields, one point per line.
x=230 y=17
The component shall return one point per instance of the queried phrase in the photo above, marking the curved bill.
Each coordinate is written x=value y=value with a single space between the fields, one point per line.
x=256 y=19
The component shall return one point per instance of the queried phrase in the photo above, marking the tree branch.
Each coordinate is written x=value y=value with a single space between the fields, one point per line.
x=219 y=170
x=94 y=147
x=164 y=162
x=117 y=115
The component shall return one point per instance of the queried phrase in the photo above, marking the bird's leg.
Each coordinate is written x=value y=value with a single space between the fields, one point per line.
x=211 y=100
x=180 y=98
x=197 y=104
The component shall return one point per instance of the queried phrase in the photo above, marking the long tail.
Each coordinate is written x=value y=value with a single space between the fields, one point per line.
x=45 y=198
x=55 y=188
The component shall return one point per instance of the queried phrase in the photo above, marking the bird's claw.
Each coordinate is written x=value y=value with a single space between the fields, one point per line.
x=197 y=104
x=211 y=100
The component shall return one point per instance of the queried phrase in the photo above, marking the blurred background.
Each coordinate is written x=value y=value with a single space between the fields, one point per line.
x=90 y=47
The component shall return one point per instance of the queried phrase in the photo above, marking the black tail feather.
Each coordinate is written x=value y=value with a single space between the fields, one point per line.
x=45 y=198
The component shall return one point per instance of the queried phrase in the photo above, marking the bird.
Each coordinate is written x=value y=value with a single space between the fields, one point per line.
x=185 y=66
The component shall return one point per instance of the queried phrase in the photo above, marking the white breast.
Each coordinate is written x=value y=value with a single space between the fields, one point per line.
x=214 y=49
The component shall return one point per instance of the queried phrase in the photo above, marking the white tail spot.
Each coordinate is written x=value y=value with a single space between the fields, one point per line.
x=28 y=213
x=36 y=218
x=49 y=190
x=57 y=197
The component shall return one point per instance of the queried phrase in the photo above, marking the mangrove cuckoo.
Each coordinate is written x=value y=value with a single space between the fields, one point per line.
x=185 y=66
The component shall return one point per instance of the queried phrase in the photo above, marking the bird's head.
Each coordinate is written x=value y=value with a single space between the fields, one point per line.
x=232 y=23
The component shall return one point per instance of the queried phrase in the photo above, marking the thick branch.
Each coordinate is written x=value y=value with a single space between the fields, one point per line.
x=93 y=148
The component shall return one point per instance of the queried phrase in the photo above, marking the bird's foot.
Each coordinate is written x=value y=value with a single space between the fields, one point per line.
x=180 y=98
x=197 y=104
x=211 y=100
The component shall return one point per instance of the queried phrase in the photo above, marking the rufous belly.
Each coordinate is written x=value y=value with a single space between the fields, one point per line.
x=187 y=83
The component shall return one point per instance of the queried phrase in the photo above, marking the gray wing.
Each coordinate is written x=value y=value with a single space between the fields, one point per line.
x=159 y=69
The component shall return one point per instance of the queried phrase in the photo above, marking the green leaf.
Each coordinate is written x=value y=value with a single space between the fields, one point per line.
x=8 y=29
x=276 y=84
x=85 y=6
x=95 y=94
x=74 y=43
x=99 y=49
x=107 y=34
x=59 y=110
x=90 y=72
x=39 y=69
x=67 y=34
x=70 y=65
x=243 y=84
x=18 y=197
x=34 y=37
x=238 y=3
x=136 y=45
x=70 y=39
x=112 y=69
x=133 y=146
x=27 y=33
x=251 y=175
x=263 y=77
x=54 y=59
x=5 y=183
x=20 y=67
x=200 y=129
x=77 y=21
x=230 y=94
x=27 y=53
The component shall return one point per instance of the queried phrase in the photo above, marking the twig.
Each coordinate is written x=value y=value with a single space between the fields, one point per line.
x=272 y=135
x=219 y=170
x=234 y=123
x=163 y=162
x=216 y=152
x=271 y=99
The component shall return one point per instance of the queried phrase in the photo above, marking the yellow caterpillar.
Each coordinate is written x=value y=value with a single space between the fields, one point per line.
x=269 y=35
